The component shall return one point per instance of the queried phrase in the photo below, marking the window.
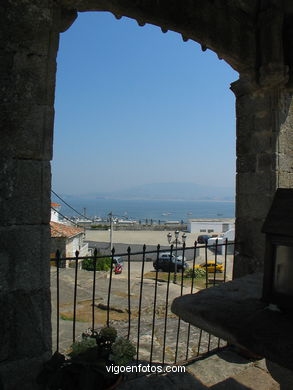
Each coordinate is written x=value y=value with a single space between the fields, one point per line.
x=202 y=230
x=210 y=230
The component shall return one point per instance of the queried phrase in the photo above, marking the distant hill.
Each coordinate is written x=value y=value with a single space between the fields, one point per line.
x=171 y=191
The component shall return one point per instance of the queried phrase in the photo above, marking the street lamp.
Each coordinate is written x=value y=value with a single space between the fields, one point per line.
x=111 y=230
x=177 y=242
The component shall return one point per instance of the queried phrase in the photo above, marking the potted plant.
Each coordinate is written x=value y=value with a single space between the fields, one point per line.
x=85 y=367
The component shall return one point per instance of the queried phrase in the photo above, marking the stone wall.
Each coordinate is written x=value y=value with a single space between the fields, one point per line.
x=255 y=38
x=58 y=243
x=29 y=42
x=264 y=163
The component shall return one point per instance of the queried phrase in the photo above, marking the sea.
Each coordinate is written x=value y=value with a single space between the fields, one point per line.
x=157 y=210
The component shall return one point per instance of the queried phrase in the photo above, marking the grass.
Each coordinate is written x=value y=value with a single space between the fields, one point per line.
x=199 y=283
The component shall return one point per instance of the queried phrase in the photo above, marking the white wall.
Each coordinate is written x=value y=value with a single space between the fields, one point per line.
x=74 y=244
x=54 y=216
x=209 y=227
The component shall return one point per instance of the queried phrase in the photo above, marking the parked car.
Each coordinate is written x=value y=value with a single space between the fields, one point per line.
x=118 y=264
x=203 y=239
x=210 y=266
x=228 y=236
x=166 y=255
x=166 y=262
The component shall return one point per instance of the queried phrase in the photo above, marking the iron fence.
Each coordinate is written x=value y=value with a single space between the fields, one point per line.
x=137 y=301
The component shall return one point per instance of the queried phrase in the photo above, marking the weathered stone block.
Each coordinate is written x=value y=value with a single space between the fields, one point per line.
x=24 y=257
x=255 y=183
x=262 y=142
x=218 y=367
x=253 y=378
x=284 y=180
x=35 y=72
x=285 y=163
x=266 y=162
x=251 y=246
x=24 y=192
x=245 y=125
x=263 y=122
x=285 y=141
x=26 y=324
x=31 y=128
x=6 y=62
x=246 y=163
x=253 y=205
x=26 y=369
x=252 y=104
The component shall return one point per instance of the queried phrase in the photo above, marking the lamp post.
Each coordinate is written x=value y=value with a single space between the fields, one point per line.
x=111 y=230
x=177 y=242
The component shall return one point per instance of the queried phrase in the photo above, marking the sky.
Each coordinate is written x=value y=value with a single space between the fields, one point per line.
x=135 y=106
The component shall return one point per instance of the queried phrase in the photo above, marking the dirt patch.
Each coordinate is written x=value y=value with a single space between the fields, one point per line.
x=123 y=294
x=84 y=313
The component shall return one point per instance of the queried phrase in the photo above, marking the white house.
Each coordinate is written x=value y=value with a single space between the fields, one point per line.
x=55 y=207
x=210 y=226
x=68 y=240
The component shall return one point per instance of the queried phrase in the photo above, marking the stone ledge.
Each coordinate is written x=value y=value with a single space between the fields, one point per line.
x=235 y=313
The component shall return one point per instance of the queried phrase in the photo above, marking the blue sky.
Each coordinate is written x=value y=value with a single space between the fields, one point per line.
x=136 y=106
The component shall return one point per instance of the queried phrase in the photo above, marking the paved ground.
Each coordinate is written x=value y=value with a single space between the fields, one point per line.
x=119 y=309
x=119 y=294
x=225 y=370
x=222 y=371
x=141 y=237
x=136 y=240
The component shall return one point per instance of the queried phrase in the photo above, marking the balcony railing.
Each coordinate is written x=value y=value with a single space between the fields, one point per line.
x=137 y=301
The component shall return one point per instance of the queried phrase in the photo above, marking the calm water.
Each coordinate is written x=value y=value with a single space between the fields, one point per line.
x=151 y=209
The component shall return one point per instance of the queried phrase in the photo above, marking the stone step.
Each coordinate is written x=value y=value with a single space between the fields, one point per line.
x=219 y=367
x=224 y=370
x=252 y=378
x=172 y=381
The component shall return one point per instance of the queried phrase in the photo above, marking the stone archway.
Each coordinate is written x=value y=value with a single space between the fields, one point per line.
x=254 y=37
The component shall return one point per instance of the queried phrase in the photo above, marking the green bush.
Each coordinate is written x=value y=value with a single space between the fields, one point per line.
x=103 y=264
x=100 y=227
x=197 y=273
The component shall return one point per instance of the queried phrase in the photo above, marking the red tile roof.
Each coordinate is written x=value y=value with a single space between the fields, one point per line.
x=61 y=230
x=55 y=204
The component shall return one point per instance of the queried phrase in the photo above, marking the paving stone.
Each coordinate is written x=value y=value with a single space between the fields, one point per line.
x=280 y=374
x=253 y=379
x=218 y=367
x=178 y=381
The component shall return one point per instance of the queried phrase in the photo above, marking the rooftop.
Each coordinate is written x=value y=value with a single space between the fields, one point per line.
x=55 y=204
x=61 y=230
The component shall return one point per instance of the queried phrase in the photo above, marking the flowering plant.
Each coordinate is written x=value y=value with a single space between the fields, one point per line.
x=86 y=367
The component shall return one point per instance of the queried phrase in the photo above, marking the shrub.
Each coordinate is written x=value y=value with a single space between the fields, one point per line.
x=82 y=346
x=123 y=351
x=197 y=273
x=102 y=264
x=100 y=227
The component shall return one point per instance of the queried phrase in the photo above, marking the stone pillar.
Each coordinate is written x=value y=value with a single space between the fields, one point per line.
x=264 y=163
x=29 y=43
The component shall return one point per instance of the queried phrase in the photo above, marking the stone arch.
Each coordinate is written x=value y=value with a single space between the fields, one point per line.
x=254 y=37
x=202 y=23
